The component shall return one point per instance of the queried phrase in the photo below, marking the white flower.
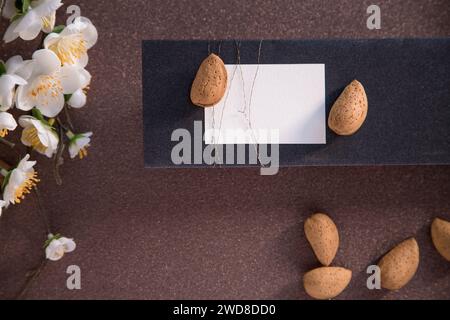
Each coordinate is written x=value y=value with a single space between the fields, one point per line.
x=2 y=205
x=49 y=82
x=11 y=74
x=20 y=181
x=7 y=123
x=58 y=246
x=39 y=135
x=72 y=44
x=40 y=15
x=78 y=143
x=78 y=99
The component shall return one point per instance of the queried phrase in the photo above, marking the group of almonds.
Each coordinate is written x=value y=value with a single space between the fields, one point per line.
x=397 y=267
x=346 y=116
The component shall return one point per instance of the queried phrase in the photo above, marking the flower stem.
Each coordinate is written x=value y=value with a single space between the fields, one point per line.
x=61 y=124
x=31 y=278
x=4 y=166
x=8 y=143
x=35 y=274
x=68 y=118
x=58 y=158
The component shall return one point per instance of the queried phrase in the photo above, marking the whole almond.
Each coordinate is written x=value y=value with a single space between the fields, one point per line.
x=323 y=237
x=399 y=265
x=326 y=282
x=440 y=234
x=210 y=82
x=349 y=111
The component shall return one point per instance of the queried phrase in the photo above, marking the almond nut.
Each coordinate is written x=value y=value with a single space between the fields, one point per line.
x=210 y=82
x=326 y=282
x=399 y=265
x=323 y=237
x=349 y=111
x=440 y=234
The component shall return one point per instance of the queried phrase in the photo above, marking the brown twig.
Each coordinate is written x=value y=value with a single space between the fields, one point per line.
x=31 y=279
x=68 y=118
x=58 y=159
x=43 y=263
x=8 y=143
x=4 y=165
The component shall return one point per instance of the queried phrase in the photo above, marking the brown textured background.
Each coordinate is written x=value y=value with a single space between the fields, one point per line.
x=217 y=233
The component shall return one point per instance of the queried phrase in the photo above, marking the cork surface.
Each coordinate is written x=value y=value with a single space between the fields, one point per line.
x=217 y=233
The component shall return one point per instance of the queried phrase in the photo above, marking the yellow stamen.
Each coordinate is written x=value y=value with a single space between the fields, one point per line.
x=70 y=48
x=47 y=22
x=86 y=89
x=3 y=133
x=47 y=87
x=82 y=153
x=30 y=135
x=26 y=186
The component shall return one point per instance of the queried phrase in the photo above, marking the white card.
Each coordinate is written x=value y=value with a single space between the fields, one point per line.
x=287 y=104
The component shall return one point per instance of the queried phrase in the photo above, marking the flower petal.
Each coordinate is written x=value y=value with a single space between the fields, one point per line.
x=25 y=165
x=29 y=29
x=78 y=99
x=48 y=22
x=26 y=121
x=55 y=250
x=50 y=39
x=16 y=179
x=69 y=244
x=52 y=106
x=72 y=78
x=6 y=91
x=46 y=62
x=23 y=100
x=85 y=77
x=7 y=121
x=2 y=205
x=73 y=150
x=83 y=61
x=13 y=64
x=10 y=34
x=25 y=70
x=89 y=31
x=46 y=7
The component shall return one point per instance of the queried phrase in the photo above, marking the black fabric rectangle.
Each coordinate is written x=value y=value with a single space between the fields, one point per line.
x=407 y=82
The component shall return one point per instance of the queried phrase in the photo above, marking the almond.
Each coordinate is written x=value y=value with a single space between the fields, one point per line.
x=326 y=282
x=440 y=234
x=399 y=265
x=349 y=111
x=210 y=82
x=323 y=237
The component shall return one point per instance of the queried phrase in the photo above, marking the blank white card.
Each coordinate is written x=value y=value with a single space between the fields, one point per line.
x=272 y=103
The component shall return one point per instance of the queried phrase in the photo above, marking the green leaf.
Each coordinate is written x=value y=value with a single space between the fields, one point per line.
x=55 y=237
x=6 y=180
x=25 y=5
x=58 y=29
x=22 y=6
x=2 y=68
x=37 y=114
x=17 y=16
x=75 y=137
x=67 y=97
